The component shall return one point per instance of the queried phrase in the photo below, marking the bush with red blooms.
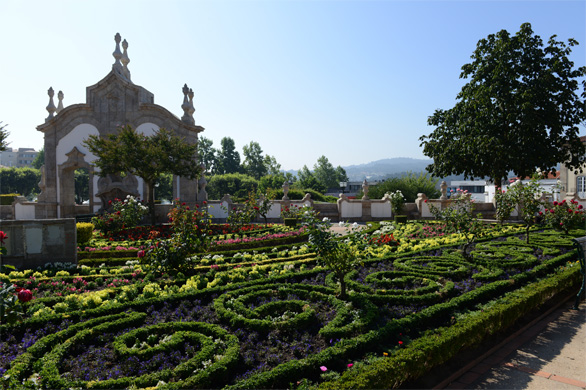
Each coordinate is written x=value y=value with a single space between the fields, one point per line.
x=564 y=215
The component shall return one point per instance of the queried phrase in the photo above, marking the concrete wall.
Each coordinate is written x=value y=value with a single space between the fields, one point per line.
x=34 y=243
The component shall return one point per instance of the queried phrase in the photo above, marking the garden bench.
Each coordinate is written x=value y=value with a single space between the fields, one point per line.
x=580 y=246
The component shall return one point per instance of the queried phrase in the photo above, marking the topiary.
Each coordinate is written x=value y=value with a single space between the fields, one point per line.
x=85 y=230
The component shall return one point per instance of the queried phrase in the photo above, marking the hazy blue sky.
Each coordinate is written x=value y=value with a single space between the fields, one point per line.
x=352 y=80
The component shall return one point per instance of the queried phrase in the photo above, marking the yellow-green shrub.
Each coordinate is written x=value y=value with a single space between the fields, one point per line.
x=84 y=232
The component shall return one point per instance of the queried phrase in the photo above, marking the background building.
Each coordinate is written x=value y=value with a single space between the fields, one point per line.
x=21 y=157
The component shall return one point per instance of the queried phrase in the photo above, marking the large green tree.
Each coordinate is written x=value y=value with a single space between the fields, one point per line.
x=228 y=157
x=327 y=175
x=207 y=154
x=253 y=163
x=23 y=181
x=145 y=156
x=39 y=160
x=519 y=111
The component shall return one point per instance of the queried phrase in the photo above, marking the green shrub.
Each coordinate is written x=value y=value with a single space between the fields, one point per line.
x=7 y=199
x=84 y=232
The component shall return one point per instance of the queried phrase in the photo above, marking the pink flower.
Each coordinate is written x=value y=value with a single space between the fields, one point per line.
x=25 y=295
x=323 y=368
x=350 y=365
x=3 y=237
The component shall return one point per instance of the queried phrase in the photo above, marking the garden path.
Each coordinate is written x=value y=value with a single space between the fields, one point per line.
x=547 y=354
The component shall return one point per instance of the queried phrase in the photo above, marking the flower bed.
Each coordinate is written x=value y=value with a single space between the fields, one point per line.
x=272 y=321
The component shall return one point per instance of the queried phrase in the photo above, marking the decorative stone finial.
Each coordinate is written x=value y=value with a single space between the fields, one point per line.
x=60 y=104
x=285 y=190
x=125 y=60
x=51 y=107
x=191 y=107
x=187 y=117
x=117 y=54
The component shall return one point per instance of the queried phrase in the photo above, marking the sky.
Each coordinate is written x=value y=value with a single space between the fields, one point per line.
x=354 y=81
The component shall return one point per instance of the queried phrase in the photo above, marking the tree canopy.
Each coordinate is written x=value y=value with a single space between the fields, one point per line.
x=3 y=137
x=39 y=160
x=253 y=163
x=228 y=158
x=145 y=156
x=519 y=111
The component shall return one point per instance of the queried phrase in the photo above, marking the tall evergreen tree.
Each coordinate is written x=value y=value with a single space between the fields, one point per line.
x=228 y=157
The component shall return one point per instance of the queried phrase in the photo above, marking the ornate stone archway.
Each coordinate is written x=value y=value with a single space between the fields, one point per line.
x=112 y=102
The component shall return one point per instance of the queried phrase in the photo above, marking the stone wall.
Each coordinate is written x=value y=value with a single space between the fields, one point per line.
x=34 y=243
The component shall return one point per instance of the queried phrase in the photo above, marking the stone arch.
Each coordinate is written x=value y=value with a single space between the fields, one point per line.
x=65 y=171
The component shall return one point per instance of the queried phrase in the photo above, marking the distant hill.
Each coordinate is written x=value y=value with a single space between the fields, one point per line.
x=388 y=167
x=383 y=169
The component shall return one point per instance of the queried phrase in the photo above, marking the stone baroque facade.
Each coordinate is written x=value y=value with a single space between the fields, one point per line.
x=113 y=102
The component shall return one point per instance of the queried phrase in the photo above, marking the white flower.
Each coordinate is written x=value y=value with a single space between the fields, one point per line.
x=326 y=219
x=341 y=224
x=355 y=225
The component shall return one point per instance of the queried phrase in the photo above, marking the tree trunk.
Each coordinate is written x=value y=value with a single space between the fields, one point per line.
x=151 y=200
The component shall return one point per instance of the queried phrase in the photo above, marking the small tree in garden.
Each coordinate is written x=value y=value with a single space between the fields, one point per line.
x=191 y=234
x=397 y=201
x=338 y=256
x=264 y=202
x=505 y=204
x=145 y=156
x=126 y=215
x=459 y=218
x=527 y=197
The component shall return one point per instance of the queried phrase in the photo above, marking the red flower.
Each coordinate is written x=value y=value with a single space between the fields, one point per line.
x=25 y=295
x=400 y=343
x=3 y=237
x=140 y=254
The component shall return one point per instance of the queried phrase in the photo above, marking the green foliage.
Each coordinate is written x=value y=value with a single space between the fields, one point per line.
x=207 y=155
x=237 y=185
x=81 y=185
x=328 y=176
x=3 y=137
x=164 y=187
x=520 y=110
x=527 y=197
x=410 y=185
x=338 y=256
x=20 y=180
x=145 y=156
x=39 y=160
x=505 y=204
x=127 y=213
x=275 y=181
x=397 y=202
x=459 y=218
x=7 y=199
x=308 y=180
x=11 y=309
x=85 y=231
x=191 y=234
x=253 y=164
x=228 y=158
x=564 y=215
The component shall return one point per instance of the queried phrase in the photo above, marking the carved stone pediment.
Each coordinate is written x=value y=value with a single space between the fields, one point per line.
x=114 y=186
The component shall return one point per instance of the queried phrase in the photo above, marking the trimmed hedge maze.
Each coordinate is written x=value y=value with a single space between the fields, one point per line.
x=282 y=326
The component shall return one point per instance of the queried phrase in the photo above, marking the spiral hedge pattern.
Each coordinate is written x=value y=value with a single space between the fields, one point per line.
x=271 y=331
